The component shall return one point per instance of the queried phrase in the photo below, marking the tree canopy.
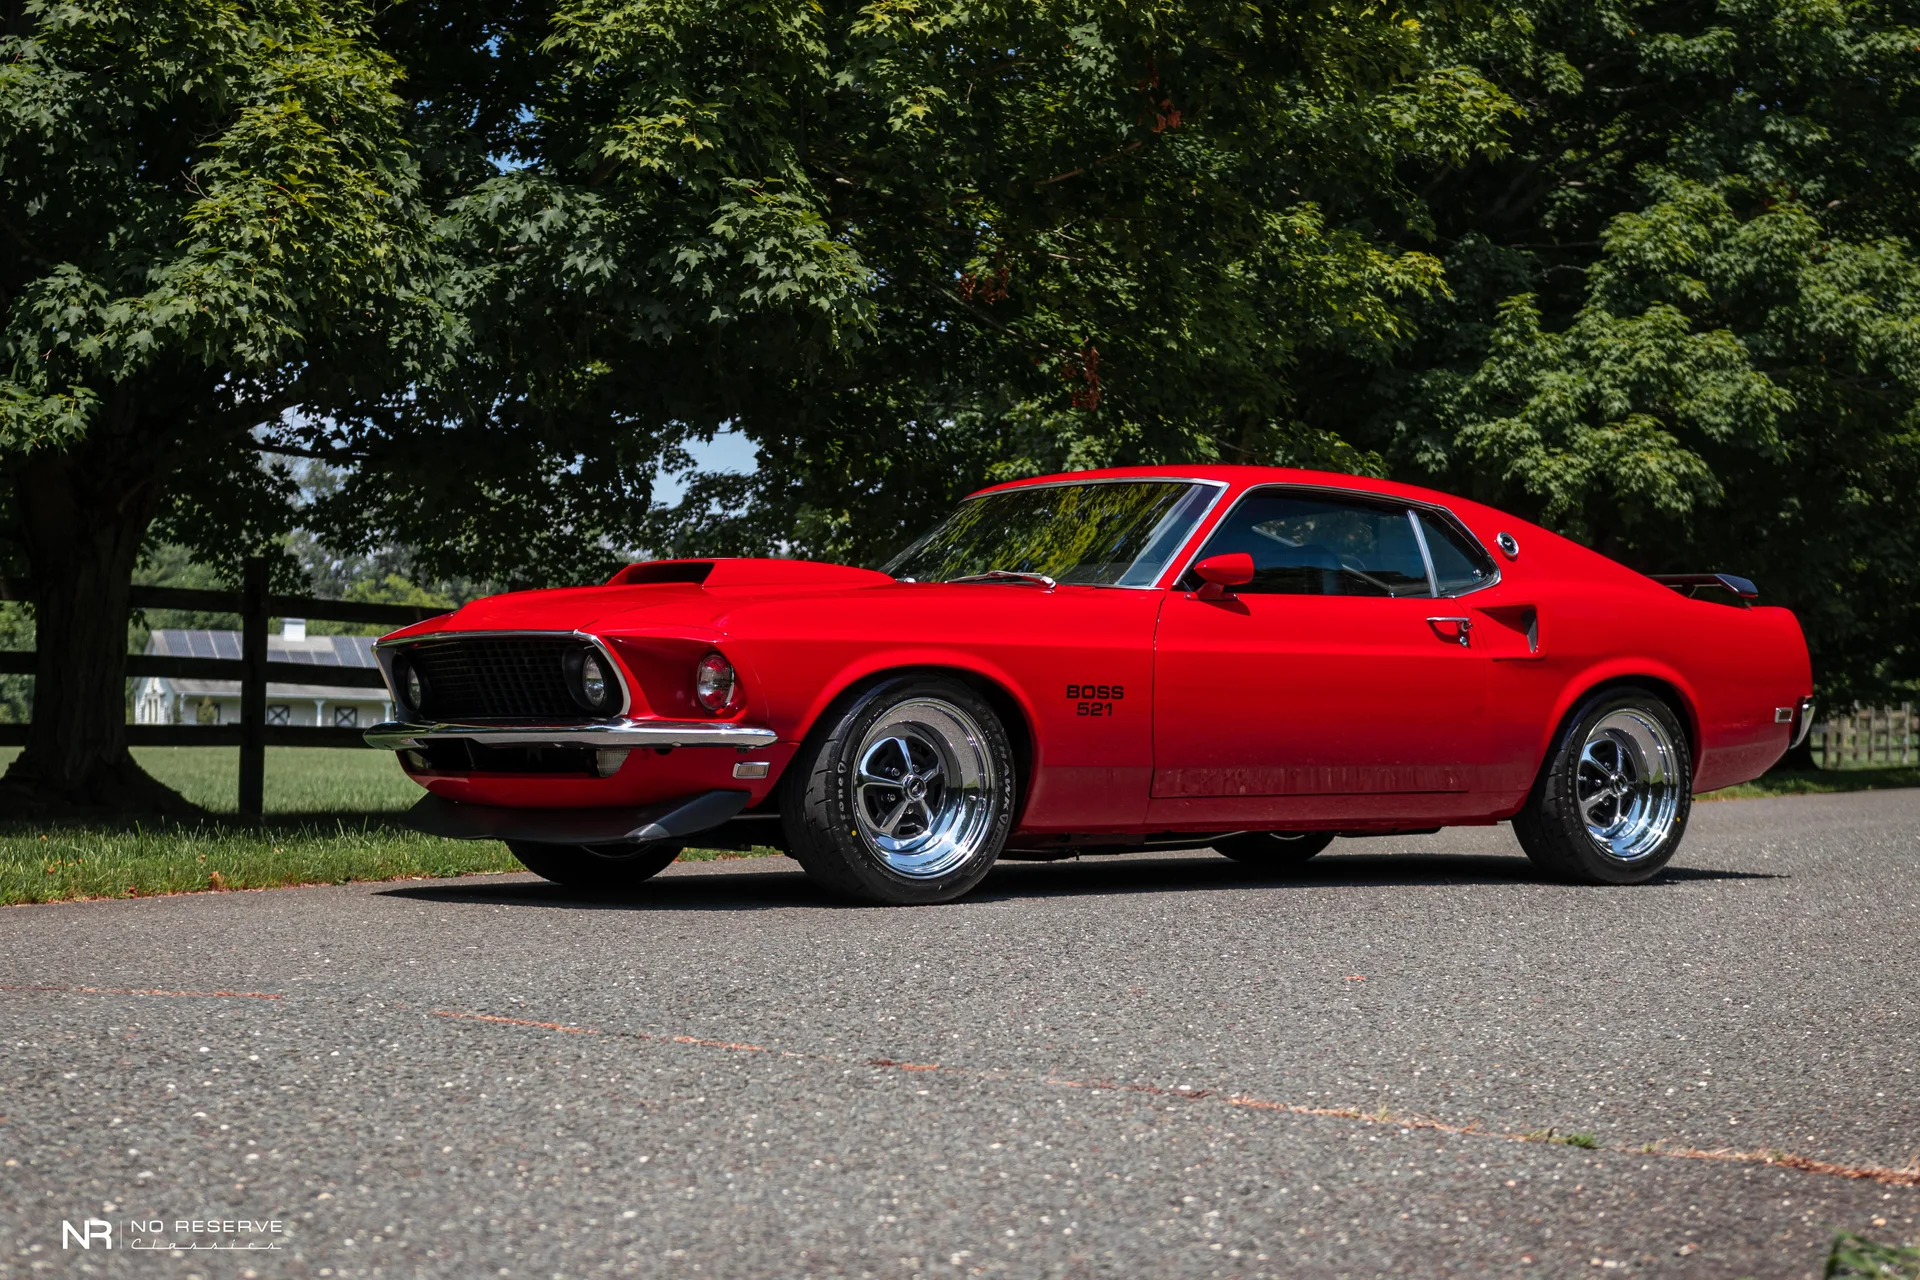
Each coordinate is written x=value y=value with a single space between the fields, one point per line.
x=903 y=247
x=211 y=219
x=1682 y=313
x=1642 y=271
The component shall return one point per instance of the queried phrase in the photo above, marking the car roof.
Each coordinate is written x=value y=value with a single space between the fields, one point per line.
x=1546 y=549
x=1244 y=477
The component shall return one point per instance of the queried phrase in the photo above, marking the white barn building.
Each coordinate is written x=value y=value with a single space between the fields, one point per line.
x=171 y=700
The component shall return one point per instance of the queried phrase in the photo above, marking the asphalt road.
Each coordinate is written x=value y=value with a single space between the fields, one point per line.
x=1102 y=1068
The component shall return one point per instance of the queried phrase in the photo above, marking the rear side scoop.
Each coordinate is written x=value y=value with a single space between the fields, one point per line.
x=744 y=571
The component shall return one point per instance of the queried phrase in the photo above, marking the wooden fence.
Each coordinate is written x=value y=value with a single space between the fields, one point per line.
x=253 y=734
x=1868 y=736
x=1855 y=739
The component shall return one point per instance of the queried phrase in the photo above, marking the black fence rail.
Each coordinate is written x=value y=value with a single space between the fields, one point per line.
x=253 y=735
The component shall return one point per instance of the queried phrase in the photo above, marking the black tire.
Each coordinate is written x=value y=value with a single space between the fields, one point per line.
x=832 y=818
x=1633 y=847
x=604 y=868
x=1274 y=851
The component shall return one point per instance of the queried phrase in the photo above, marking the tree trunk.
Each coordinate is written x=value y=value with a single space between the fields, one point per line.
x=82 y=521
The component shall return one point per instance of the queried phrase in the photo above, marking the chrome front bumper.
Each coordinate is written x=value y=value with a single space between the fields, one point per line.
x=399 y=735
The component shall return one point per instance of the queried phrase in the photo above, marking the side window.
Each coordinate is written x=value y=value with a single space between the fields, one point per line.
x=1459 y=563
x=1314 y=545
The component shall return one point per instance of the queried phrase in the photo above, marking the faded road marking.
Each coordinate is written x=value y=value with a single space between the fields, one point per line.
x=143 y=991
x=1909 y=1177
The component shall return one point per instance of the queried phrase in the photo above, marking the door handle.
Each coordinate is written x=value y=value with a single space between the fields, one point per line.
x=1462 y=630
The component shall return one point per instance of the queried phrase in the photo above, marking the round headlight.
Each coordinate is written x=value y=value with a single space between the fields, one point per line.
x=593 y=681
x=715 y=684
x=413 y=689
x=590 y=678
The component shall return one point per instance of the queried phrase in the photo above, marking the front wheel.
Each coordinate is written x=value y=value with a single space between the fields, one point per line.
x=1274 y=851
x=607 y=868
x=1612 y=801
x=907 y=797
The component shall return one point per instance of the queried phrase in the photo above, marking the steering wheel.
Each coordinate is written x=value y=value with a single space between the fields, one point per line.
x=1349 y=565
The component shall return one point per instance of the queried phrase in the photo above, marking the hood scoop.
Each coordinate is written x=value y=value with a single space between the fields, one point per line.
x=743 y=571
x=690 y=571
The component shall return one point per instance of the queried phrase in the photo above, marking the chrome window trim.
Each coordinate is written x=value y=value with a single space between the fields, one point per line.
x=1193 y=523
x=1460 y=527
x=1426 y=553
x=1219 y=488
x=383 y=646
x=1170 y=477
x=1411 y=505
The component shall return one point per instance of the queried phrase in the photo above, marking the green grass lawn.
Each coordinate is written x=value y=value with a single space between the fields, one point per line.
x=1858 y=1258
x=331 y=817
x=54 y=864
x=1819 y=782
x=300 y=780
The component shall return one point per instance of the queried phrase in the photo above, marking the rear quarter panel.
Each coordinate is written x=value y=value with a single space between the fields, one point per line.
x=1600 y=622
x=1746 y=664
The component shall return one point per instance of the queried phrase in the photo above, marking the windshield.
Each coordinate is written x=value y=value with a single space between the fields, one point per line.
x=1106 y=534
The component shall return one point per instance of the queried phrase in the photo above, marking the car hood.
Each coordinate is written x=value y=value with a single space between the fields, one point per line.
x=690 y=595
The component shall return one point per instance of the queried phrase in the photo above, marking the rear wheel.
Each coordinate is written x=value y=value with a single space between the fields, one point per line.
x=1276 y=851
x=907 y=798
x=1611 y=804
x=603 y=867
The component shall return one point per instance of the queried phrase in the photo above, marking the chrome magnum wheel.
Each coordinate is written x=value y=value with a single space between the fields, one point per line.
x=923 y=788
x=1611 y=803
x=907 y=797
x=1627 y=784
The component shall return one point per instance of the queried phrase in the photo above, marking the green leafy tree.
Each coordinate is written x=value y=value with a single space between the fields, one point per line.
x=1685 y=307
x=1639 y=270
x=905 y=247
x=16 y=692
x=211 y=220
x=390 y=589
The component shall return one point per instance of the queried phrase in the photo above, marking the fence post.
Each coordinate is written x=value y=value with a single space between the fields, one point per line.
x=253 y=687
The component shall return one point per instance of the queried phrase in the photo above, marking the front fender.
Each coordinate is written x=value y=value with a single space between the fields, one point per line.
x=930 y=659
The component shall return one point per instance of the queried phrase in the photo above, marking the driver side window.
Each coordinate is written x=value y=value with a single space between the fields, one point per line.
x=1311 y=544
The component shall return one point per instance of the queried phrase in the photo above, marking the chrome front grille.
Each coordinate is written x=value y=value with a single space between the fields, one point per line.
x=495 y=678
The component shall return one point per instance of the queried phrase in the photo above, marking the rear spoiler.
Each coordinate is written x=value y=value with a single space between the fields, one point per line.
x=1689 y=584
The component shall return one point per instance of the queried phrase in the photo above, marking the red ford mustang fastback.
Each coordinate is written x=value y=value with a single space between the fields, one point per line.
x=1250 y=659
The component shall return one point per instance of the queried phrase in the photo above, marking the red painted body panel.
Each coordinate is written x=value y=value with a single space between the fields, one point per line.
x=1274 y=711
x=1311 y=696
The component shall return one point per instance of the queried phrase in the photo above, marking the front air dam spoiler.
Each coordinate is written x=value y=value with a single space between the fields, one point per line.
x=668 y=820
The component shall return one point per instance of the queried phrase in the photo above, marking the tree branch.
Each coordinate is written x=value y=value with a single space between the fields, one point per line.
x=1074 y=173
x=340 y=457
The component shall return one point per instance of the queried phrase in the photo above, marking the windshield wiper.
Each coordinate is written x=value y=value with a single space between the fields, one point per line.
x=1009 y=575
